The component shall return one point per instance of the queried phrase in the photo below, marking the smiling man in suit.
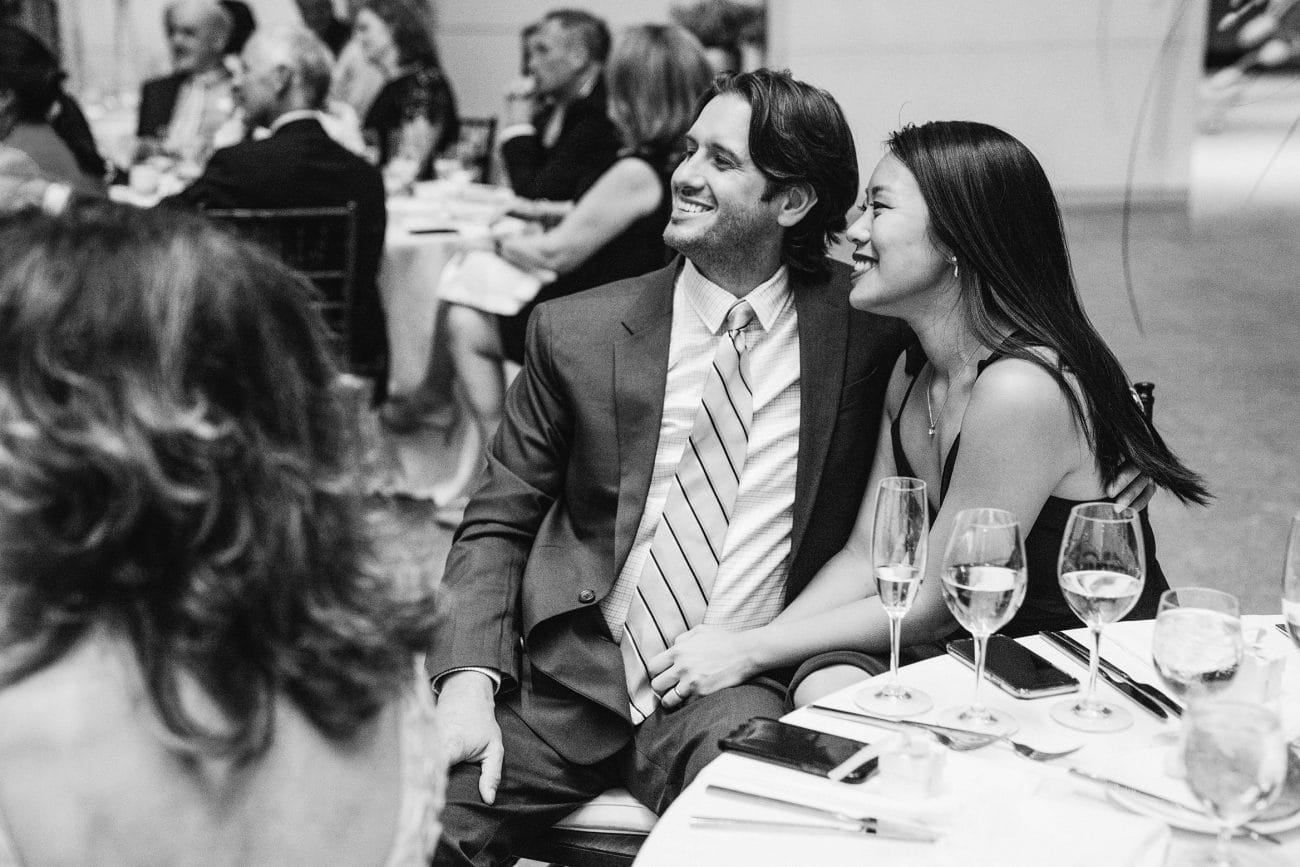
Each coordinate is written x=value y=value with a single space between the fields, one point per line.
x=283 y=86
x=182 y=112
x=684 y=448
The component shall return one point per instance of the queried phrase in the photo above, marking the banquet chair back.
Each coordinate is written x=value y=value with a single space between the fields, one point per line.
x=320 y=243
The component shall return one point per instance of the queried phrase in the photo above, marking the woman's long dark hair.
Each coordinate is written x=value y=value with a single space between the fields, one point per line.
x=992 y=207
x=409 y=22
x=31 y=71
x=176 y=467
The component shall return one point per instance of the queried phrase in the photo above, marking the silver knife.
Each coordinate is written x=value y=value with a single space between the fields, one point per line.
x=1155 y=692
x=1140 y=694
x=1247 y=830
x=887 y=828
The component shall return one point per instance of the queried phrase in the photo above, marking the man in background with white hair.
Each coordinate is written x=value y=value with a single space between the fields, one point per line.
x=180 y=113
x=282 y=86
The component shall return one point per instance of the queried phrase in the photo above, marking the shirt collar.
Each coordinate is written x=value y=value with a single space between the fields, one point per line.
x=210 y=77
x=291 y=116
x=711 y=302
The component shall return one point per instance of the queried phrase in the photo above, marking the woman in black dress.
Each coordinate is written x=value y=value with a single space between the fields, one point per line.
x=414 y=116
x=1009 y=399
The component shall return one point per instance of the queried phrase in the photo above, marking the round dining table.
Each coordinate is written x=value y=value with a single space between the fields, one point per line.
x=991 y=806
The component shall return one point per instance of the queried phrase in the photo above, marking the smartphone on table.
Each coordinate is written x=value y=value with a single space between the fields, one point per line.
x=1014 y=668
x=792 y=746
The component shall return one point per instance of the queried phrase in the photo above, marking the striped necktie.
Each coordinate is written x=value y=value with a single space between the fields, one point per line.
x=673 y=591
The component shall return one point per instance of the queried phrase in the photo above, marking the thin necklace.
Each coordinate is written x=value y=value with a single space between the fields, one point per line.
x=929 y=409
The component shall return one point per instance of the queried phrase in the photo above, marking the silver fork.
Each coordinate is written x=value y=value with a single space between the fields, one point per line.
x=952 y=738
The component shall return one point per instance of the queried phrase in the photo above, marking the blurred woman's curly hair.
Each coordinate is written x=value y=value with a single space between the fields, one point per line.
x=175 y=466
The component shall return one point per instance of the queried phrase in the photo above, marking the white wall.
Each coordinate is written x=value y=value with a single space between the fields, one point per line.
x=1064 y=76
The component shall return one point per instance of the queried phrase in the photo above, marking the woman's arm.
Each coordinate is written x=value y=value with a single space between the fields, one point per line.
x=705 y=658
x=628 y=191
x=1018 y=442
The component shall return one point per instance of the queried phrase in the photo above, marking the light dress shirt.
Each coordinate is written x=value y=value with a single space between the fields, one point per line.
x=749 y=588
x=203 y=106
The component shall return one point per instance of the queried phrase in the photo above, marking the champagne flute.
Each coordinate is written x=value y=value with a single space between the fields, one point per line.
x=983 y=585
x=899 y=536
x=1197 y=643
x=1102 y=567
x=1291 y=582
x=1236 y=762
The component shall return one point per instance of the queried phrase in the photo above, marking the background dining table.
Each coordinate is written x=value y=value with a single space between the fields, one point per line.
x=426 y=228
x=993 y=807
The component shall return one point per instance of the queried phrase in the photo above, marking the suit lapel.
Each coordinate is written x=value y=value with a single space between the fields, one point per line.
x=823 y=333
x=640 y=376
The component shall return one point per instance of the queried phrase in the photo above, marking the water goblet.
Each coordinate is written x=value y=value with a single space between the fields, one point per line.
x=1197 y=644
x=1291 y=582
x=1102 y=568
x=899 y=536
x=1236 y=762
x=983 y=586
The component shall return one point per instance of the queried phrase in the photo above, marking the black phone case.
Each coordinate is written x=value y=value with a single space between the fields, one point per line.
x=963 y=650
x=747 y=740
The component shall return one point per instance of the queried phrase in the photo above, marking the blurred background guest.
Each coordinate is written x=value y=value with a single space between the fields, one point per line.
x=242 y=25
x=556 y=135
x=556 y=140
x=318 y=15
x=22 y=187
x=282 y=86
x=38 y=118
x=182 y=112
x=193 y=639
x=654 y=78
x=414 y=116
x=356 y=81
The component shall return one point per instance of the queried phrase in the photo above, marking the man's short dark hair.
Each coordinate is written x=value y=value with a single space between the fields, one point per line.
x=593 y=31
x=798 y=135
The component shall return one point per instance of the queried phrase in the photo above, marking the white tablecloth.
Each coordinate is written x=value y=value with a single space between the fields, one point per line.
x=997 y=807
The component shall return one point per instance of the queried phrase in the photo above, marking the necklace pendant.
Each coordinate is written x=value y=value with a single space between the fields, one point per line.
x=932 y=429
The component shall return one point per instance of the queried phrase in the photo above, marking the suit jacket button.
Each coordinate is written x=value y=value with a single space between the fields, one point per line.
x=586 y=597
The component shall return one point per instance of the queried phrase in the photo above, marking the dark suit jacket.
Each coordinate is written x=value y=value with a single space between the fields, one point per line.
x=546 y=534
x=157 y=102
x=587 y=145
x=300 y=166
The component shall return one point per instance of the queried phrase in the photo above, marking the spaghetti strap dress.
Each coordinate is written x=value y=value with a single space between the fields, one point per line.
x=1044 y=606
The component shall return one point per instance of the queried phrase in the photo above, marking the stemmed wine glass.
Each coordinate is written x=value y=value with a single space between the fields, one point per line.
x=899 y=536
x=1102 y=567
x=1197 y=643
x=983 y=585
x=1291 y=582
x=1236 y=762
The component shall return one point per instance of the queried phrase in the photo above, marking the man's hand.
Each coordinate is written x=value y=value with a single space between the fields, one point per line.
x=468 y=727
x=520 y=102
x=701 y=661
x=1131 y=488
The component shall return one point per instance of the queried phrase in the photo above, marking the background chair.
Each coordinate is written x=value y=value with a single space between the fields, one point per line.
x=319 y=243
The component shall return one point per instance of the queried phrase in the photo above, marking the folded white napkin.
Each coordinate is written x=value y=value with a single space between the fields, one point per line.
x=483 y=280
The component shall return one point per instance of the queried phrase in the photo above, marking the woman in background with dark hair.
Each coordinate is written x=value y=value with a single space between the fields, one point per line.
x=38 y=118
x=198 y=660
x=415 y=114
x=1009 y=399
